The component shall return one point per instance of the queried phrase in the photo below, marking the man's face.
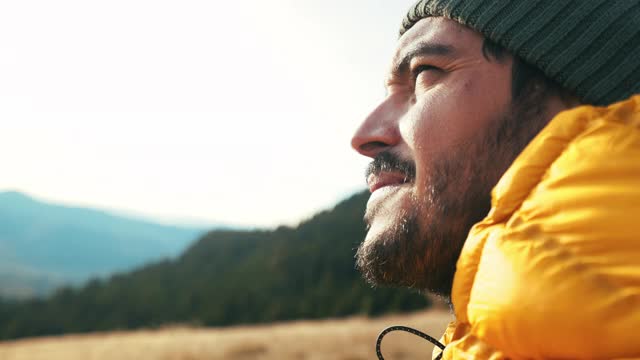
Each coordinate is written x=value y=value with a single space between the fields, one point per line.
x=440 y=140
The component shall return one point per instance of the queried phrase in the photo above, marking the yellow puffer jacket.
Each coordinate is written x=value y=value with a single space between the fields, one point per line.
x=553 y=272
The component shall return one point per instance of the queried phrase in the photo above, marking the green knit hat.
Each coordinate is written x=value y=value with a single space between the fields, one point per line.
x=591 y=47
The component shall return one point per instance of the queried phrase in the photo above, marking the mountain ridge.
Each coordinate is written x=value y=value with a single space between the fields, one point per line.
x=227 y=277
x=44 y=245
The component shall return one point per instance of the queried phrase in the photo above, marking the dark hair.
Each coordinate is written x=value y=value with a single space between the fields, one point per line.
x=523 y=75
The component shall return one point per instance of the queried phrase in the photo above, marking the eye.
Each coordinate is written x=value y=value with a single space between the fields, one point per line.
x=424 y=70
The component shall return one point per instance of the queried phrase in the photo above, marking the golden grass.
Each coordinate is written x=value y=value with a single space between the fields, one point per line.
x=348 y=339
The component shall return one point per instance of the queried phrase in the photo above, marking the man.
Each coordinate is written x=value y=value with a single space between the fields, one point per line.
x=502 y=95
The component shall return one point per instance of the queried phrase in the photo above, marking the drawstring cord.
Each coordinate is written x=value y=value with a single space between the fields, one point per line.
x=411 y=331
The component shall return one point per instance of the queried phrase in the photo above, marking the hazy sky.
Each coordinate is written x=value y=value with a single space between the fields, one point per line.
x=229 y=111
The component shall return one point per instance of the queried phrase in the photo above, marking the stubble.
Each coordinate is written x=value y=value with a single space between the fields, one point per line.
x=420 y=248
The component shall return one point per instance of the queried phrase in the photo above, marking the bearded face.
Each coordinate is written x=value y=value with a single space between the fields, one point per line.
x=423 y=239
x=441 y=139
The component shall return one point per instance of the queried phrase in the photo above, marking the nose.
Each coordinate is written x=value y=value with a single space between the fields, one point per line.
x=379 y=131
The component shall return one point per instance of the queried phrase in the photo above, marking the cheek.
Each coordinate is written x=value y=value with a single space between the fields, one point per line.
x=434 y=121
x=453 y=113
x=450 y=116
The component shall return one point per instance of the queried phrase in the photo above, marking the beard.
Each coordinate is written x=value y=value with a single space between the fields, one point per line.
x=419 y=248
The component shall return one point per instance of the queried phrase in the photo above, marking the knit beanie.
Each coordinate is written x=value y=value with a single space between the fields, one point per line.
x=591 y=47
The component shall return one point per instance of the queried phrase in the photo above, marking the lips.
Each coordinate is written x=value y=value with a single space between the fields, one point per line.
x=377 y=181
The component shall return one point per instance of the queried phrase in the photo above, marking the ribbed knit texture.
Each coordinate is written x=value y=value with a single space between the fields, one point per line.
x=591 y=47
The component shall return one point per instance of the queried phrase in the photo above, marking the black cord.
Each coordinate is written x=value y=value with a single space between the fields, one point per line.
x=411 y=331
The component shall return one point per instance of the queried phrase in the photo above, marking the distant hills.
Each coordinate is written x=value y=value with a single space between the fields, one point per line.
x=225 y=278
x=43 y=245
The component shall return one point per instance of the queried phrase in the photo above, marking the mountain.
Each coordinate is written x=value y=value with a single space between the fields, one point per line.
x=43 y=245
x=226 y=278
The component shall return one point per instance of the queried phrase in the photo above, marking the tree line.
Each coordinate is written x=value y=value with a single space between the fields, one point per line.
x=225 y=278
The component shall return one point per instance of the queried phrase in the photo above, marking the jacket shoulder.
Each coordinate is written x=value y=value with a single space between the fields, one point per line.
x=553 y=271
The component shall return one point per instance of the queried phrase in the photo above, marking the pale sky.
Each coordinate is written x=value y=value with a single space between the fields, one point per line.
x=238 y=112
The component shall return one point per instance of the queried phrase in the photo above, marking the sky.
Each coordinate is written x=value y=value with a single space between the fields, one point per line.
x=235 y=112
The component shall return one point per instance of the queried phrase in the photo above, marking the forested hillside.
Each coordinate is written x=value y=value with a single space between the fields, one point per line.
x=225 y=278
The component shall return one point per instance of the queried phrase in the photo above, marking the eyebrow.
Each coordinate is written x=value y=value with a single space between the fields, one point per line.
x=421 y=49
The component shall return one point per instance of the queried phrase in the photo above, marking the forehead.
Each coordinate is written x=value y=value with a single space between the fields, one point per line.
x=439 y=30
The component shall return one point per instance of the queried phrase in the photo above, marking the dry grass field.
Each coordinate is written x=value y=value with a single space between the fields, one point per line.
x=348 y=339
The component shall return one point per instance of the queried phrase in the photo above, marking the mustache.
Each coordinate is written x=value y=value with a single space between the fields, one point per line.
x=389 y=162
